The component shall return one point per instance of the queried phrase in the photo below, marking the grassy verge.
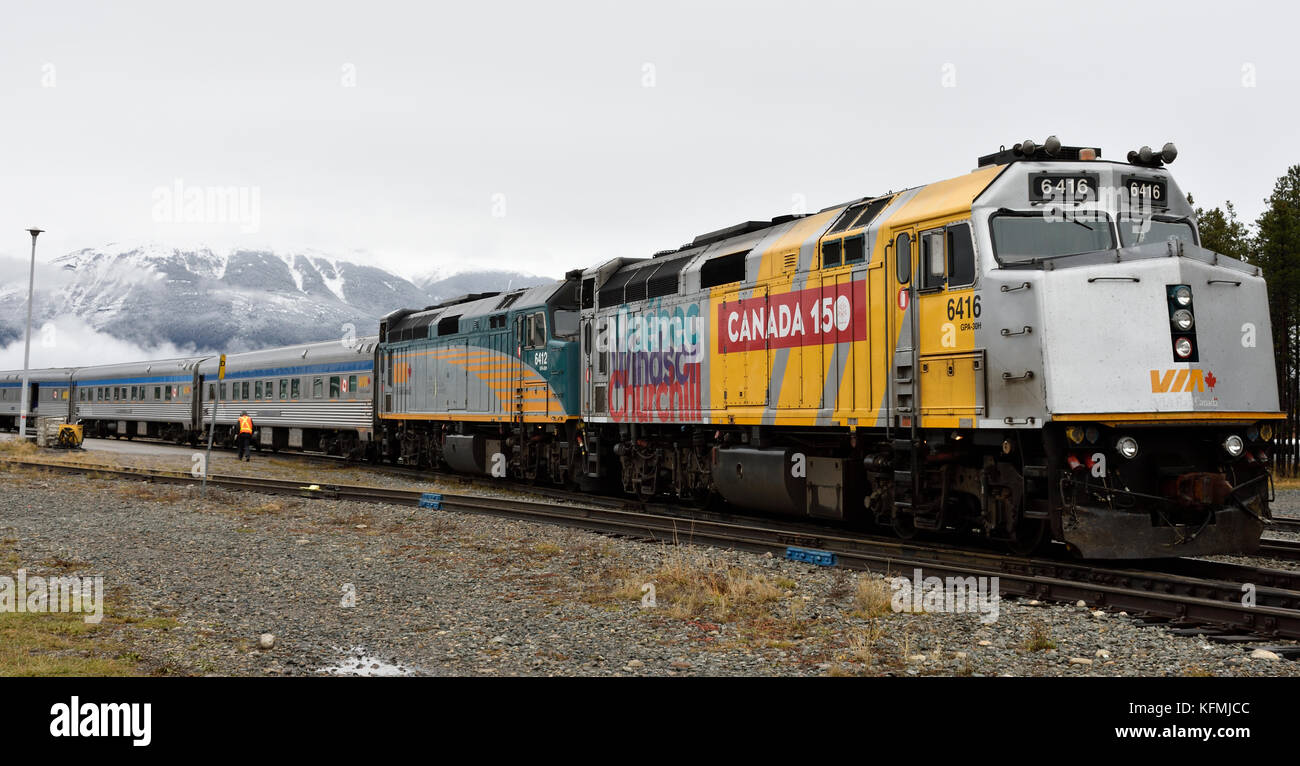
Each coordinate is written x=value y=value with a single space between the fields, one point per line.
x=63 y=644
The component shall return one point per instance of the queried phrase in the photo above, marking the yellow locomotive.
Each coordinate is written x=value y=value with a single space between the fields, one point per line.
x=1036 y=350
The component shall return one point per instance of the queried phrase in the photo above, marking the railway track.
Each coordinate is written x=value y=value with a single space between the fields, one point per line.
x=1188 y=595
x=1286 y=524
x=1280 y=549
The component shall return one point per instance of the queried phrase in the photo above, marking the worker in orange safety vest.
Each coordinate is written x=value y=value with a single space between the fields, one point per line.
x=245 y=440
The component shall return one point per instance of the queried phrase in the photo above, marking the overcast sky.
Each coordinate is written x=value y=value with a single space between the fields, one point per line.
x=547 y=136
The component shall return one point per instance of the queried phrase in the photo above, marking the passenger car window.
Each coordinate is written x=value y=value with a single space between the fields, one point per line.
x=334 y=386
x=294 y=388
x=284 y=388
x=317 y=388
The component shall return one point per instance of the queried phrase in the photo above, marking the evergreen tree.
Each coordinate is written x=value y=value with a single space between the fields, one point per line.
x=1222 y=232
x=1278 y=247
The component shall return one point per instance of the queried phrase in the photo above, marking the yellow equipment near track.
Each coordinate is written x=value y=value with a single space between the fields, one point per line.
x=70 y=437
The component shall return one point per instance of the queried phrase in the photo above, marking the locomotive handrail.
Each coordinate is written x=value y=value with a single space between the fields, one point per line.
x=1008 y=377
x=1006 y=332
x=1021 y=286
x=1113 y=279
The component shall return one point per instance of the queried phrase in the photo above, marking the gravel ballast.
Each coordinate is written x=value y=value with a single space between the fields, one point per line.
x=261 y=585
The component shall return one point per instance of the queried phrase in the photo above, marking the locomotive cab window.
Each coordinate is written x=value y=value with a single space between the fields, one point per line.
x=533 y=330
x=903 y=257
x=566 y=324
x=1019 y=237
x=961 y=255
x=1137 y=230
x=933 y=261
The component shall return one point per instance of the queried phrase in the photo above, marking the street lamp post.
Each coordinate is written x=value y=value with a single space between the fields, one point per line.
x=27 y=342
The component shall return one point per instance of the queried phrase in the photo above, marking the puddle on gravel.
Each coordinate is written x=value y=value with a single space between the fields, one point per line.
x=358 y=662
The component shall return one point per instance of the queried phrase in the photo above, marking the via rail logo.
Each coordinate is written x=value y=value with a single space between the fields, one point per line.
x=1181 y=381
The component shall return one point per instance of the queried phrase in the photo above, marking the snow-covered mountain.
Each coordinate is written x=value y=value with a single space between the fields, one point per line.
x=153 y=295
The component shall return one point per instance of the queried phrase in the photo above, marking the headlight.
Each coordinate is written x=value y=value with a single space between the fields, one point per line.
x=1183 y=295
x=1233 y=445
x=1183 y=319
x=1183 y=348
x=1127 y=446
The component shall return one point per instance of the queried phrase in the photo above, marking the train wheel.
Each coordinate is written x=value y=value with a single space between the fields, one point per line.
x=904 y=525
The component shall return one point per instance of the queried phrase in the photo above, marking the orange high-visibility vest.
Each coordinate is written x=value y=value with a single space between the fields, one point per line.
x=245 y=425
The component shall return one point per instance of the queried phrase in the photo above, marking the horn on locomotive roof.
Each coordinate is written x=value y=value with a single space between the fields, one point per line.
x=1145 y=156
x=1051 y=149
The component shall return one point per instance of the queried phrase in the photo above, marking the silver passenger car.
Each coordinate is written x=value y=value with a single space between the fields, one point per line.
x=47 y=395
x=314 y=396
x=146 y=399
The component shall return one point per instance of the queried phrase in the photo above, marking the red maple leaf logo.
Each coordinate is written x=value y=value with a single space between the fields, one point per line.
x=1210 y=380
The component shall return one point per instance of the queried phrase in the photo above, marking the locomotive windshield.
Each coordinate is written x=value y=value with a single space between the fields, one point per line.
x=566 y=324
x=1023 y=236
x=1135 y=230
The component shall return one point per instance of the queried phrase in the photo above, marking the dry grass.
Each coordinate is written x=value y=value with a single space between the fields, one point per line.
x=873 y=597
x=862 y=643
x=691 y=586
x=18 y=448
x=547 y=550
x=143 y=490
x=1040 y=638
